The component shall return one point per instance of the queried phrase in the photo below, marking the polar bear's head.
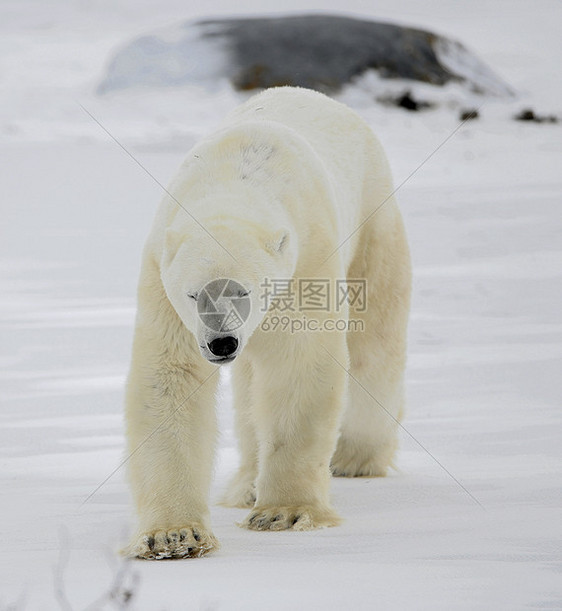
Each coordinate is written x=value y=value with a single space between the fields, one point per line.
x=215 y=281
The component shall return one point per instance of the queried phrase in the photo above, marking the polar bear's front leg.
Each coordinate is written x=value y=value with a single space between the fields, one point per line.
x=171 y=431
x=297 y=416
x=241 y=490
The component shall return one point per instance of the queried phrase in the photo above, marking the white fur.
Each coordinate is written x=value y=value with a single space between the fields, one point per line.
x=281 y=191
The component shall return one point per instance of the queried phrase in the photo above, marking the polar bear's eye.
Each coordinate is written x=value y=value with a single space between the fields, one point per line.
x=243 y=293
x=193 y=296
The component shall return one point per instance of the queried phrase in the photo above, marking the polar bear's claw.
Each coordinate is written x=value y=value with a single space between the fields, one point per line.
x=184 y=542
x=289 y=518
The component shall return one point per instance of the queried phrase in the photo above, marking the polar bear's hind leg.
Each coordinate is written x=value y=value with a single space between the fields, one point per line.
x=377 y=348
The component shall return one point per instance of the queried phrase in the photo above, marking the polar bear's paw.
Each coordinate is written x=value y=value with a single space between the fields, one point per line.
x=241 y=492
x=358 y=468
x=290 y=518
x=190 y=541
x=352 y=459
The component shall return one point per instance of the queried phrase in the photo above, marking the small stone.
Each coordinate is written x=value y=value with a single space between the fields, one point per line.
x=468 y=115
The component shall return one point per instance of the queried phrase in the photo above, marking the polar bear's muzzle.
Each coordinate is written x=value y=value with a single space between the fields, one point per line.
x=223 y=349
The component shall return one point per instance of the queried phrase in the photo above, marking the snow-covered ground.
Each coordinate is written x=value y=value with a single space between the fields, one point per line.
x=484 y=419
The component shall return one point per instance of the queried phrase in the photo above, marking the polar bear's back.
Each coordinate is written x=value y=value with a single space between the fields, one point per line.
x=335 y=132
x=341 y=139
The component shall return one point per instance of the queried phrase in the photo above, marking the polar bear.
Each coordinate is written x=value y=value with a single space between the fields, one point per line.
x=295 y=189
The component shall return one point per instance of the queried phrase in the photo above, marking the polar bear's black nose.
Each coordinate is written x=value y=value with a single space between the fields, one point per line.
x=223 y=346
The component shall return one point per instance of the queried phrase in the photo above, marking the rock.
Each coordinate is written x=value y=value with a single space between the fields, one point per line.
x=469 y=115
x=321 y=52
x=528 y=114
x=406 y=101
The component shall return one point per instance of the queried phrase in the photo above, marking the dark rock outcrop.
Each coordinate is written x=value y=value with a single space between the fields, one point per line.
x=321 y=52
x=528 y=114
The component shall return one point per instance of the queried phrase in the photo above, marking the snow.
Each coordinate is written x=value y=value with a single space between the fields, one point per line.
x=179 y=55
x=483 y=216
x=461 y=62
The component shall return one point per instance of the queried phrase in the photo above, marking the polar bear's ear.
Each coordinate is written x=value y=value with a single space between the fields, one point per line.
x=279 y=241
